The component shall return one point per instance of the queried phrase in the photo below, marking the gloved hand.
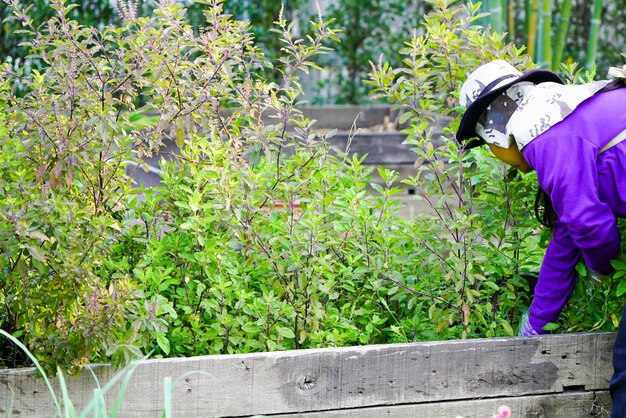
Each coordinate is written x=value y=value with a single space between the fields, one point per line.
x=598 y=278
x=525 y=329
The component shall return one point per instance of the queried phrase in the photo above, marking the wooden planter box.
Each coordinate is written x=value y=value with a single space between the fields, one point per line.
x=560 y=376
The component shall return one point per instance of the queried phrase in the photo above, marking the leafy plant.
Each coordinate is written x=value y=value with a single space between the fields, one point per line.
x=92 y=12
x=100 y=13
x=479 y=238
x=68 y=250
x=64 y=191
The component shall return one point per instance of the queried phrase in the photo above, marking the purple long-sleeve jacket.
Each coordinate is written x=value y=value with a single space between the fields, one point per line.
x=588 y=191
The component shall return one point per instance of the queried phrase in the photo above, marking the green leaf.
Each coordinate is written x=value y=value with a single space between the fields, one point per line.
x=251 y=327
x=186 y=225
x=285 y=332
x=163 y=342
x=404 y=117
x=180 y=136
x=201 y=288
x=507 y=327
x=36 y=252
x=39 y=235
x=218 y=345
x=377 y=187
x=551 y=326
x=492 y=285
x=431 y=311
x=581 y=269
x=168 y=307
x=621 y=288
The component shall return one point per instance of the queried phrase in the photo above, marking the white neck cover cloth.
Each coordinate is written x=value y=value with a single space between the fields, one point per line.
x=526 y=110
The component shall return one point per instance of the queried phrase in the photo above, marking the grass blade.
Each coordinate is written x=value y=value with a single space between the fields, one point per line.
x=12 y=401
x=100 y=405
x=126 y=372
x=68 y=406
x=37 y=365
x=122 y=391
x=168 y=389
x=103 y=408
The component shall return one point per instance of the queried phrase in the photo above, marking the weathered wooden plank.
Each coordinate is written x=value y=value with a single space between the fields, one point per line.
x=382 y=148
x=345 y=378
x=343 y=117
x=562 y=405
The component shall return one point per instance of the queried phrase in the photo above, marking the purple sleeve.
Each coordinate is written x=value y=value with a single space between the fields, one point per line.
x=557 y=279
x=566 y=170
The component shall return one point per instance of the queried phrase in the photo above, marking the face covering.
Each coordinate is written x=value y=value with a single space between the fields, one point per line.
x=492 y=125
x=526 y=110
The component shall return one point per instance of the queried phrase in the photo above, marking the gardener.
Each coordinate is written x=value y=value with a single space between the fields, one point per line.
x=573 y=136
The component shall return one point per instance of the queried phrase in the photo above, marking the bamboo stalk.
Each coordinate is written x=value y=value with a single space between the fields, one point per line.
x=546 y=57
x=486 y=7
x=538 y=52
x=498 y=10
x=504 y=5
x=566 y=11
x=592 y=46
x=511 y=20
x=497 y=22
x=527 y=15
x=532 y=26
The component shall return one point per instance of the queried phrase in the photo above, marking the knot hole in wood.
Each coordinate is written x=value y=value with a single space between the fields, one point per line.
x=307 y=382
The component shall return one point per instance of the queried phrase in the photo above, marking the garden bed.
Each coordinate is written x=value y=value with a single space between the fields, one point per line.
x=220 y=259
x=550 y=376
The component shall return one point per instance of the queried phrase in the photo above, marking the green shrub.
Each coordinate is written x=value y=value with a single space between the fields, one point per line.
x=64 y=189
x=480 y=238
x=245 y=268
x=289 y=252
x=69 y=231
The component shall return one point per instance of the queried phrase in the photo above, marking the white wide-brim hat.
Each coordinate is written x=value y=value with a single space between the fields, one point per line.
x=484 y=85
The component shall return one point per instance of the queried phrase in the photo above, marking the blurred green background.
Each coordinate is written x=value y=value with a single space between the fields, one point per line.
x=589 y=32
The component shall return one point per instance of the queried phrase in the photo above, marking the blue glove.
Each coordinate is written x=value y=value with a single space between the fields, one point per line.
x=598 y=278
x=525 y=329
